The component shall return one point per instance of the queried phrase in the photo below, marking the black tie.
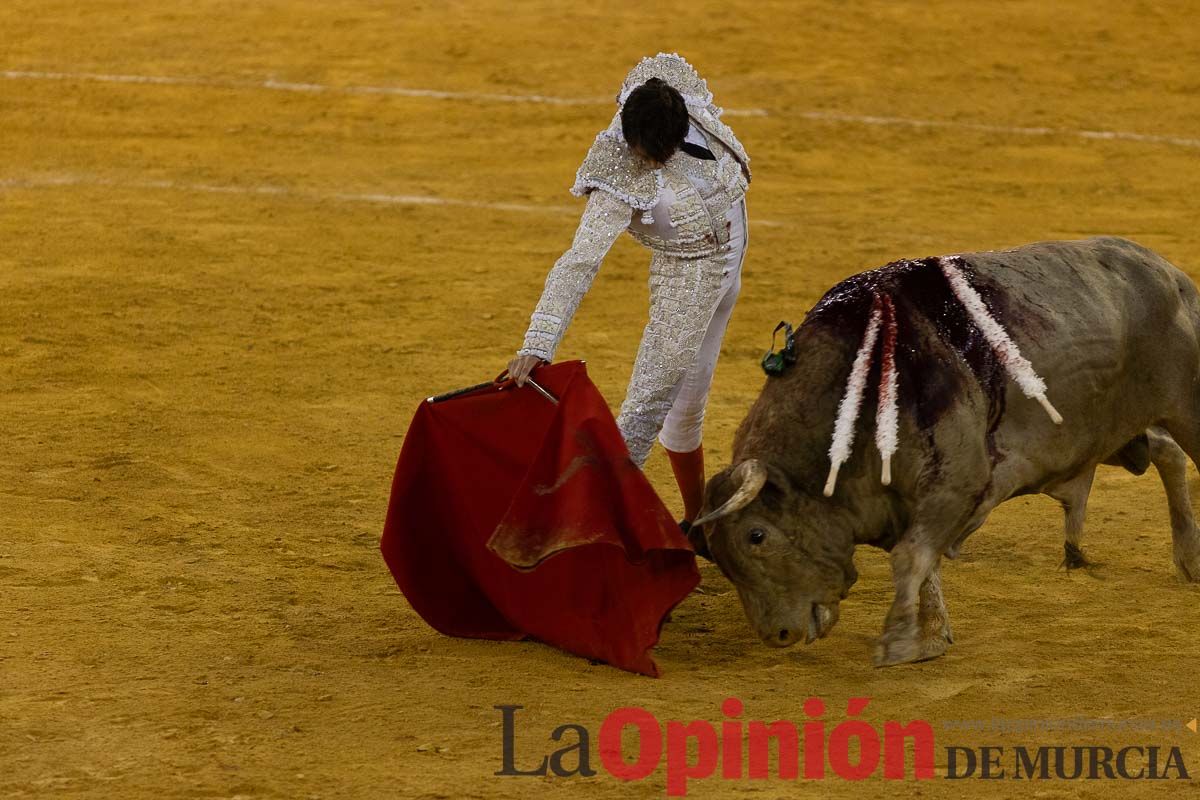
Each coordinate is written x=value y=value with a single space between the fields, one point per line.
x=697 y=151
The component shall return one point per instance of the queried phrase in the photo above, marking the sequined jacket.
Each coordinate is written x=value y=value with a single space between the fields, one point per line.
x=662 y=208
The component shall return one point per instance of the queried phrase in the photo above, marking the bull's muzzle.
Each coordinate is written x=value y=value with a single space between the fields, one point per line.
x=814 y=624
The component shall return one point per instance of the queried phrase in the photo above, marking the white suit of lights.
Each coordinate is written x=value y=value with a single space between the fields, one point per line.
x=682 y=212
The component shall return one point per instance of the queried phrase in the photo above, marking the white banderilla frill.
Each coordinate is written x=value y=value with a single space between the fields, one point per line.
x=887 y=417
x=1015 y=364
x=843 y=428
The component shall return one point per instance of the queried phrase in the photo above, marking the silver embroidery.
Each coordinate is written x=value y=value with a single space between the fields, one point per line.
x=683 y=297
x=672 y=68
x=700 y=192
x=722 y=132
x=611 y=166
x=604 y=218
x=692 y=197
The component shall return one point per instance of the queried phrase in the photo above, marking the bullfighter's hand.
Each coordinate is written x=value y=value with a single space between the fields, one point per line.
x=520 y=367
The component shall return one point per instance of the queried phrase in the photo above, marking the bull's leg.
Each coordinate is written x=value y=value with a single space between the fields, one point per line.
x=914 y=561
x=1171 y=462
x=1073 y=495
x=933 y=618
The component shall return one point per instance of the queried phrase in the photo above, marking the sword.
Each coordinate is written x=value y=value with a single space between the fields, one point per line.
x=542 y=391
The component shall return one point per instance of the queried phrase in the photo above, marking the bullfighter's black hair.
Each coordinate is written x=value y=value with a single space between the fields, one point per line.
x=655 y=119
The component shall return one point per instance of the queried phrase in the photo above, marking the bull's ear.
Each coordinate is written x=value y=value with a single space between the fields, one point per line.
x=777 y=478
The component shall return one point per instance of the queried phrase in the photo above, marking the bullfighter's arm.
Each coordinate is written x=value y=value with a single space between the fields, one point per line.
x=604 y=218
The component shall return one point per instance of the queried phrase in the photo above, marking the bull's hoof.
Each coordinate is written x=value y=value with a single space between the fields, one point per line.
x=1187 y=559
x=890 y=652
x=1073 y=557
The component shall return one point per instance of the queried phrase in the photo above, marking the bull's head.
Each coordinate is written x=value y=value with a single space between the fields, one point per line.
x=789 y=554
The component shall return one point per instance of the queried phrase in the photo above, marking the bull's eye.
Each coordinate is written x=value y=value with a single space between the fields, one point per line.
x=757 y=536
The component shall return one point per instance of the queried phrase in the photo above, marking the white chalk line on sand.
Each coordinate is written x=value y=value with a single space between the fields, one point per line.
x=834 y=116
x=318 y=88
x=400 y=91
x=377 y=198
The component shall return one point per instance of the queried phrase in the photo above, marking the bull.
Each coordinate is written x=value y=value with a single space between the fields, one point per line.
x=1113 y=332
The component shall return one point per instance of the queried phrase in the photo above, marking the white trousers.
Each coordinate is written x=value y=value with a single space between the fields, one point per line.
x=673 y=373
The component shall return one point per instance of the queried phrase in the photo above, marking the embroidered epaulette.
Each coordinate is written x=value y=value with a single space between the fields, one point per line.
x=611 y=166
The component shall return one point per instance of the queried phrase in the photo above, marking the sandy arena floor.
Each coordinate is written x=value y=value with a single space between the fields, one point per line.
x=230 y=269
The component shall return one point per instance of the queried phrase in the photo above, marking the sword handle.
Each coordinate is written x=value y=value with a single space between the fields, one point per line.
x=537 y=386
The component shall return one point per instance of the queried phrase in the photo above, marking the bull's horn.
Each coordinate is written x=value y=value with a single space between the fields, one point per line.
x=750 y=476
